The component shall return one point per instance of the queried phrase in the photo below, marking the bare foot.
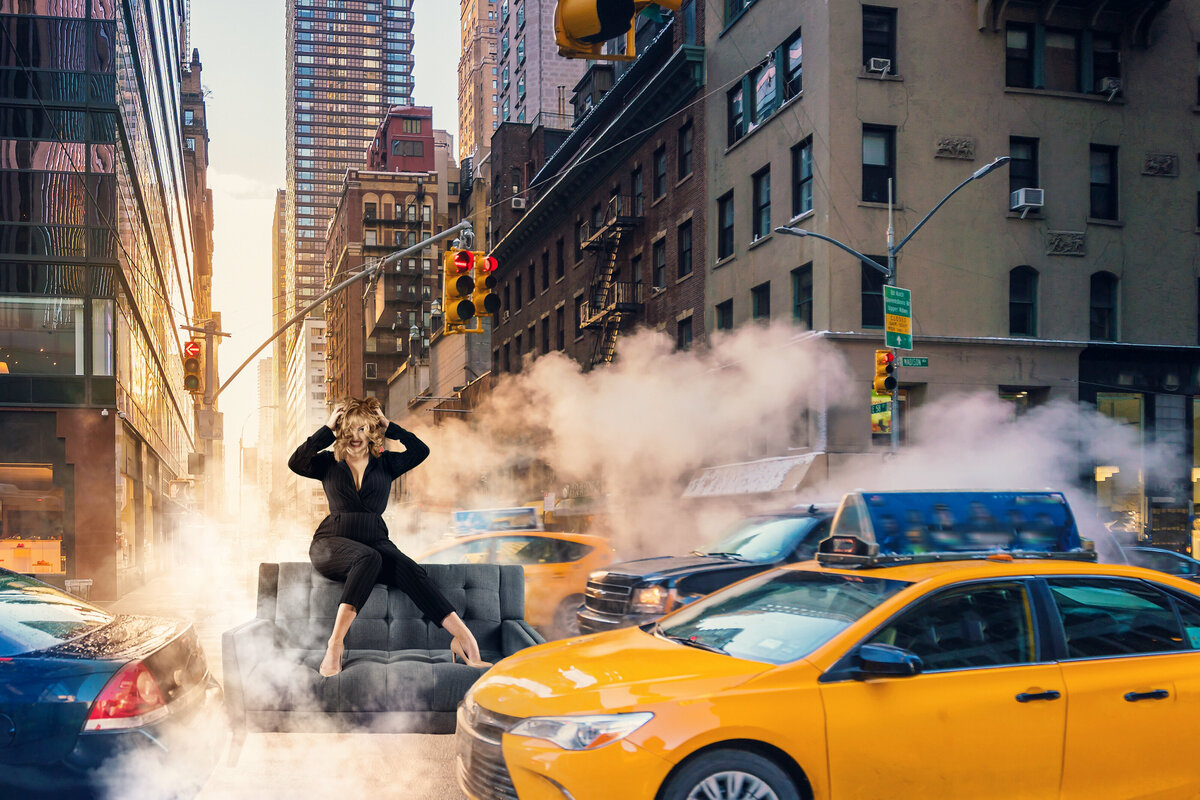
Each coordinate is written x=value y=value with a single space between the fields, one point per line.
x=332 y=663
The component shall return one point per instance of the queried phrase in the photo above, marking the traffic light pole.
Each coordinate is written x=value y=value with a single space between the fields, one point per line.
x=377 y=268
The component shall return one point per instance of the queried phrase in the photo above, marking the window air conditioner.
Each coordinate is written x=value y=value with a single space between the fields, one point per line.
x=880 y=65
x=518 y=203
x=1027 y=199
x=1108 y=86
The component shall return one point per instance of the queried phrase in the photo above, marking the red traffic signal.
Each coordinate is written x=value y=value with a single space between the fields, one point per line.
x=486 y=301
x=193 y=367
x=885 y=372
x=191 y=349
x=464 y=260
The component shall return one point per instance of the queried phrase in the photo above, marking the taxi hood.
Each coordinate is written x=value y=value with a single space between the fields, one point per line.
x=606 y=673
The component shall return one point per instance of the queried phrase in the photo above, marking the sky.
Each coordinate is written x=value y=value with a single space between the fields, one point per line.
x=242 y=50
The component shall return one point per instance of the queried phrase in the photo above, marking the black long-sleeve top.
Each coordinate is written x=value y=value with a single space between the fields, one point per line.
x=312 y=460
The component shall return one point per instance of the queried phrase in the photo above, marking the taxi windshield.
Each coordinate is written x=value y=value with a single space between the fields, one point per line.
x=762 y=539
x=779 y=616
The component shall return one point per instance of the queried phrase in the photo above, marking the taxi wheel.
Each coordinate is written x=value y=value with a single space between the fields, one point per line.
x=730 y=775
x=566 y=623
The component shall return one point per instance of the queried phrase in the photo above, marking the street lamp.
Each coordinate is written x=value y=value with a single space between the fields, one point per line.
x=889 y=272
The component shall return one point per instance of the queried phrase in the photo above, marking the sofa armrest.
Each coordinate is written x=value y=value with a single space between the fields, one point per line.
x=240 y=648
x=517 y=634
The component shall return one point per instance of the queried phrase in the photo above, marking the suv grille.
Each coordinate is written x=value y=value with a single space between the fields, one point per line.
x=610 y=595
x=481 y=765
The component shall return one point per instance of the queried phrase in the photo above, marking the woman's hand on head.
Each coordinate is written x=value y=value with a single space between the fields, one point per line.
x=335 y=416
x=383 y=420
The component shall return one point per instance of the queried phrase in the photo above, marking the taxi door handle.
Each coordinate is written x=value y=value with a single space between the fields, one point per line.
x=1025 y=697
x=1157 y=694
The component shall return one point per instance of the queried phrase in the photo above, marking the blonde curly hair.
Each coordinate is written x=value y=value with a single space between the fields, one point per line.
x=356 y=412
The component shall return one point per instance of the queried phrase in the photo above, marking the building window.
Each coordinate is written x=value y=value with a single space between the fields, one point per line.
x=1103 y=182
x=802 y=296
x=635 y=269
x=532 y=283
x=1022 y=301
x=578 y=241
x=878 y=163
x=639 y=194
x=762 y=82
x=660 y=172
x=872 y=293
x=725 y=226
x=683 y=334
x=560 y=262
x=1198 y=191
x=560 y=324
x=370 y=371
x=760 y=302
x=411 y=125
x=545 y=271
x=761 y=211
x=41 y=336
x=1018 y=56
x=190 y=143
x=1023 y=169
x=517 y=290
x=802 y=175
x=736 y=114
x=369 y=210
x=725 y=315
x=686 y=134
x=578 y=316
x=369 y=237
x=793 y=52
x=1061 y=60
x=735 y=7
x=685 y=249
x=1106 y=62
x=1103 y=310
x=189 y=116
x=545 y=335
x=879 y=35
x=659 y=258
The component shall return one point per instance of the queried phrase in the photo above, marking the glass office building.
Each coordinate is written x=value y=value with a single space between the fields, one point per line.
x=95 y=280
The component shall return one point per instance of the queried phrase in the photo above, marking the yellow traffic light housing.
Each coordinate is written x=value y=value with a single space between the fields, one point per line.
x=457 y=288
x=885 y=372
x=485 y=299
x=193 y=366
x=581 y=27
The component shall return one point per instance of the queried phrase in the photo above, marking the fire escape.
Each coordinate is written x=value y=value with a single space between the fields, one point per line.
x=608 y=300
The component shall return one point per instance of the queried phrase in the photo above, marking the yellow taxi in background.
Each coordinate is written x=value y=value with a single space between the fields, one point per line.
x=556 y=569
x=993 y=672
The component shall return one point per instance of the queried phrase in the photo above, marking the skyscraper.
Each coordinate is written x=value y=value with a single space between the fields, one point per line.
x=347 y=63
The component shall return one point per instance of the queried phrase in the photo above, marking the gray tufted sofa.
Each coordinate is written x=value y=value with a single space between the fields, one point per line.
x=397 y=675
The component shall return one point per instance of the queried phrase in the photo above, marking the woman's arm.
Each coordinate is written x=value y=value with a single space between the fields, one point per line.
x=399 y=461
x=309 y=460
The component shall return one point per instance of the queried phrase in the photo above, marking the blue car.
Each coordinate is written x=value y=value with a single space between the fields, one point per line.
x=89 y=699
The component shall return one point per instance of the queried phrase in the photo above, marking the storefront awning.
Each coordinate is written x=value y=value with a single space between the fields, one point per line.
x=783 y=474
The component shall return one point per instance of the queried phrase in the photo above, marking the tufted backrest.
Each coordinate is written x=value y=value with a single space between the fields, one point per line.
x=302 y=603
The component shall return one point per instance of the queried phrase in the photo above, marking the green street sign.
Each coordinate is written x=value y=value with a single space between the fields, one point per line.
x=880 y=408
x=897 y=317
x=914 y=361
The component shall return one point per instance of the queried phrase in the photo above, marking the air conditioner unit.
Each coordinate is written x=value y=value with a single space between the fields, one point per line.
x=880 y=65
x=1027 y=199
x=1108 y=86
x=518 y=203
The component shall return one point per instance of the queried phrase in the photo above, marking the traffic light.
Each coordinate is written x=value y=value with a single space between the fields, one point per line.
x=581 y=27
x=885 y=372
x=486 y=301
x=457 y=288
x=193 y=366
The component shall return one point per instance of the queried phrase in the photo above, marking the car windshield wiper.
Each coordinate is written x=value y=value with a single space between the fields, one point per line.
x=657 y=630
x=734 y=556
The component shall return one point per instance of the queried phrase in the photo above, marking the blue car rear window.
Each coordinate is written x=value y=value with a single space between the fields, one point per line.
x=34 y=616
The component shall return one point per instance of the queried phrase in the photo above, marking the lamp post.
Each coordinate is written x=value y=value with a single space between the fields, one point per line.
x=889 y=271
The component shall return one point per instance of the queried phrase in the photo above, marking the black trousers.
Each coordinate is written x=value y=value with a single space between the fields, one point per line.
x=363 y=564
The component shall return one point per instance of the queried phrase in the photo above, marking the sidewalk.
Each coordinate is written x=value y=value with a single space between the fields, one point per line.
x=295 y=765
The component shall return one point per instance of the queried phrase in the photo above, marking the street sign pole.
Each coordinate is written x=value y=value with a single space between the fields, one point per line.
x=894 y=417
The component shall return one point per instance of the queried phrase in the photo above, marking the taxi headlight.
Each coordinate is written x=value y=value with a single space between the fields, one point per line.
x=582 y=732
x=650 y=599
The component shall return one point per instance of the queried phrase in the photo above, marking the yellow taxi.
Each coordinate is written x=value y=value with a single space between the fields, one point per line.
x=1005 y=663
x=556 y=569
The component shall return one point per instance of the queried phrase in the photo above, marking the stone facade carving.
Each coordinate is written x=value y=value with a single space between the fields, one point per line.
x=956 y=147
x=1065 y=243
x=1163 y=165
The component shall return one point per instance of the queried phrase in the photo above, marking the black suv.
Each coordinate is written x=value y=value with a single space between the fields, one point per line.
x=633 y=592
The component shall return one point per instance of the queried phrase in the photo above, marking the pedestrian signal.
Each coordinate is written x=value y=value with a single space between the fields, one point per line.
x=885 y=372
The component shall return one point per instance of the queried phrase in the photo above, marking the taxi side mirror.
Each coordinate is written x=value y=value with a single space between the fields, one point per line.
x=886 y=660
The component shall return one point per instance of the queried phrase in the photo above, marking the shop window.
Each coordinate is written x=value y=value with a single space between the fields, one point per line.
x=42 y=336
x=32 y=523
x=102 y=337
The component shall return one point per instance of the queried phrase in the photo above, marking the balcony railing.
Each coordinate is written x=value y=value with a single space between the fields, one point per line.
x=622 y=211
x=553 y=121
x=623 y=297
